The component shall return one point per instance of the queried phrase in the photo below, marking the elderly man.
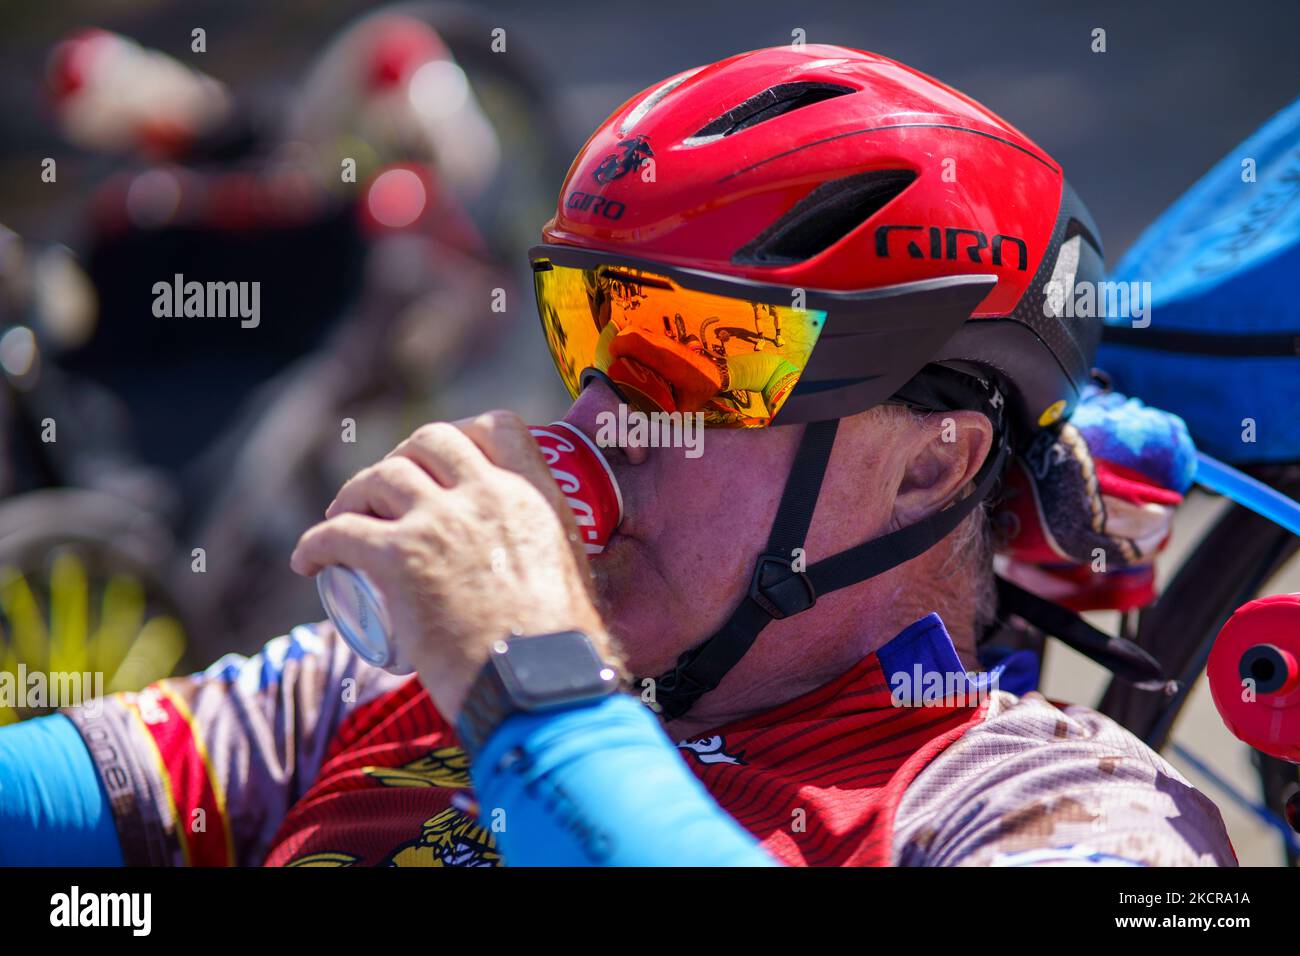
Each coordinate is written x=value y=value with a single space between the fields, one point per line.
x=847 y=270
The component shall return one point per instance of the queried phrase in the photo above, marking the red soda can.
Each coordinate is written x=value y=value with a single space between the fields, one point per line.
x=355 y=605
x=585 y=480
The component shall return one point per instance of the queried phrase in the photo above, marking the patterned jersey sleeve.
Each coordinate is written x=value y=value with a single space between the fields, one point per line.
x=200 y=770
x=1036 y=784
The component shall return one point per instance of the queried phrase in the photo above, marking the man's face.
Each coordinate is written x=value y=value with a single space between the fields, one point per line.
x=683 y=557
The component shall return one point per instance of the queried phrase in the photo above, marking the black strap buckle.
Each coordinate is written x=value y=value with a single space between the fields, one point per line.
x=677 y=690
x=779 y=589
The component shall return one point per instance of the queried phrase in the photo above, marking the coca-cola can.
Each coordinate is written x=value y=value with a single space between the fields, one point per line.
x=356 y=607
x=585 y=480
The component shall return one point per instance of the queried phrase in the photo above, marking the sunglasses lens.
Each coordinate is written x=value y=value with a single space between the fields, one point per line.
x=672 y=349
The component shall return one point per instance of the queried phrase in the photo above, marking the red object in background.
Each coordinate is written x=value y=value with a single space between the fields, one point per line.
x=585 y=480
x=110 y=94
x=1079 y=588
x=71 y=61
x=405 y=197
x=398 y=196
x=401 y=45
x=1254 y=674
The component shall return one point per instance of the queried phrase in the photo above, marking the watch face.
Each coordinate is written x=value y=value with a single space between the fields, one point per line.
x=553 y=669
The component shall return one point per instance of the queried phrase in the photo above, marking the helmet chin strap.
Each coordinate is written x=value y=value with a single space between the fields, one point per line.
x=777 y=590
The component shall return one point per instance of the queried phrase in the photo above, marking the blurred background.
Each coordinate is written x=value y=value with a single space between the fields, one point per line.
x=381 y=170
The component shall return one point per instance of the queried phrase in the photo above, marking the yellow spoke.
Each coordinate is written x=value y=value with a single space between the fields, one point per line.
x=95 y=625
x=30 y=638
x=154 y=654
x=69 y=613
x=120 y=617
x=8 y=665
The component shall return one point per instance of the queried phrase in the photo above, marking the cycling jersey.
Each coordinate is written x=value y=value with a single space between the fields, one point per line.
x=599 y=784
x=303 y=755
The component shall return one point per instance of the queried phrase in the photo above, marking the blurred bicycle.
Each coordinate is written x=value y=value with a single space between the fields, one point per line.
x=150 y=527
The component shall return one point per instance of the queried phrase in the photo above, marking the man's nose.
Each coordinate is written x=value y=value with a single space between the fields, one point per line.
x=595 y=410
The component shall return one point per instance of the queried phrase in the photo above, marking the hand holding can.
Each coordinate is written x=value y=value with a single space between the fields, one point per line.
x=355 y=605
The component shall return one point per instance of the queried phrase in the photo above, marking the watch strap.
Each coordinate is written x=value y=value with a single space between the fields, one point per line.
x=492 y=698
x=486 y=706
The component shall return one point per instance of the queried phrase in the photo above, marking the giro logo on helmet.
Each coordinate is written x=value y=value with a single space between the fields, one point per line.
x=944 y=244
x=596 y=205
x=635 y=151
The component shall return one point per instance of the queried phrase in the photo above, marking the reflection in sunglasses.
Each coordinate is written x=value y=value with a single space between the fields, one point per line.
x=673 y=349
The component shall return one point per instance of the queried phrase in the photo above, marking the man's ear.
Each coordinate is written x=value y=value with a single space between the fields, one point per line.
x=947 y=453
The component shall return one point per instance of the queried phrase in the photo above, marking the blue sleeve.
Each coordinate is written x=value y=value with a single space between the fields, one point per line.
x=600 y=785
x=53 y=809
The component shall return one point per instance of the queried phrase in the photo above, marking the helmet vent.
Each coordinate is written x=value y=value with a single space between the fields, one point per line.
x=651 y=101
x=773 y=102
x=824 y=217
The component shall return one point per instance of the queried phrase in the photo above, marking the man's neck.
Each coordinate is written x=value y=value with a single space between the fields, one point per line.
x=712 y=715
x=783 y=665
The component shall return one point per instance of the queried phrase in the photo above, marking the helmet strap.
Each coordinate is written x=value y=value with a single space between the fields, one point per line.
x=777 y=590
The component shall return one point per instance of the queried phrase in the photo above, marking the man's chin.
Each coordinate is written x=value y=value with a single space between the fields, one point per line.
x=613 y=570
x=624 y=584
x=619 y=549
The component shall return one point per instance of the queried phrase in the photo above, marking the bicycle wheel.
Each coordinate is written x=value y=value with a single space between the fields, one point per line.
x=83 y=610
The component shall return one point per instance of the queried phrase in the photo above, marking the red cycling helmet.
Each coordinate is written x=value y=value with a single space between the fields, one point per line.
x=825 y=168
x=934 y=240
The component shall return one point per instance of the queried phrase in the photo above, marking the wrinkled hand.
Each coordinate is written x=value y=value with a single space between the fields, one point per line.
x=468 y=538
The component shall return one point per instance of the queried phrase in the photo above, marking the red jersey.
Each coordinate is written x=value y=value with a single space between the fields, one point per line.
x=306 y=756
